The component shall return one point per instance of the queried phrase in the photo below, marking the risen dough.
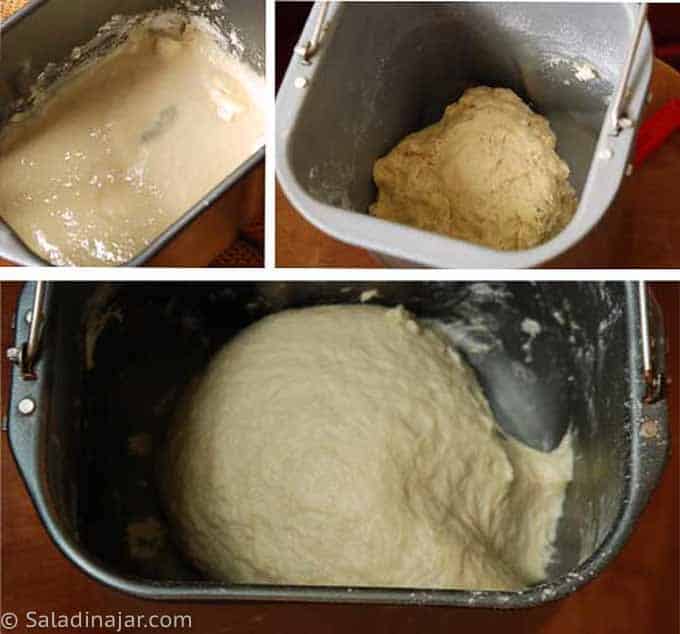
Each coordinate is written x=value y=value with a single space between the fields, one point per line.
x=487 y=173
x=349 y=445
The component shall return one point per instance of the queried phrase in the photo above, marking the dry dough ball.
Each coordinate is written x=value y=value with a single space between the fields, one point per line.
x=349 y=445
x=487 y=173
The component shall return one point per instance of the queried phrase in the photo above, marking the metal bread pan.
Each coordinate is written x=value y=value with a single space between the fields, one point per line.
x=366 y=74
x=111 y=360
x=29 y=45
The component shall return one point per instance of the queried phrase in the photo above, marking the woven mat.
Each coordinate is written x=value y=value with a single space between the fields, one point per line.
x=7 y=7
x=247 y=251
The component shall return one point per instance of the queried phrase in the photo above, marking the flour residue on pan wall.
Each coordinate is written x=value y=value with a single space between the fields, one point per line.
x=116 y=30
x=330 y=182
x=472 y=327
x=564 y=42
x=578 y=70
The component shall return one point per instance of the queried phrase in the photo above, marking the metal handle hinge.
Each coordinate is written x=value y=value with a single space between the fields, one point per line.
x=620 y=121
x=653 y=377
x=307 y=50
x=25 y=355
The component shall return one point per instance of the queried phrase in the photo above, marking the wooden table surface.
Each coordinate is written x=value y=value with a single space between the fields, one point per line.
x=637 y=594
x=640 y=230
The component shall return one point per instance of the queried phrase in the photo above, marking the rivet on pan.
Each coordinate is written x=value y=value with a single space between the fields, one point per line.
x=650 y=428
x=302 y=50
x=625 y=123
x=649 y=97
x=28 y=317
x=300 y=82
x=26 y=406
x=629 y=169
x=606 y=154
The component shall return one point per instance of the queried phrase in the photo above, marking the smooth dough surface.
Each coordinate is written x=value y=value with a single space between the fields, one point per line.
x=348 y=445
x=123 y=148
x=487 y=172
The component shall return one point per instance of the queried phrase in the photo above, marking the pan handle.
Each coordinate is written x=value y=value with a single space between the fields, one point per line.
x=652 y=432
x=653 y=346
x=619 y=120
x=25 y=396
x=25 y=355
x=307 y=49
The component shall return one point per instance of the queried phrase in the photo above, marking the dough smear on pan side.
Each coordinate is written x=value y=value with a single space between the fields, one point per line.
x=348 y=445
x=487 y=172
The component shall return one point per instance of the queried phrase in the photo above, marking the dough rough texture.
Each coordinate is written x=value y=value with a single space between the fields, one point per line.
x=348 y=445
x=487 y=172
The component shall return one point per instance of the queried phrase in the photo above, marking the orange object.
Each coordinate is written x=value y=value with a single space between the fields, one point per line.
x=656 y=129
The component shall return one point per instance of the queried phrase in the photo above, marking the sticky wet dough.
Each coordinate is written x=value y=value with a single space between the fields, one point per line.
x=487 y=172
x=349 y=445
x=127 y=145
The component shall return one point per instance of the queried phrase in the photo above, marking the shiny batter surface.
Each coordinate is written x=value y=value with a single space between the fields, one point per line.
x=126 y=146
